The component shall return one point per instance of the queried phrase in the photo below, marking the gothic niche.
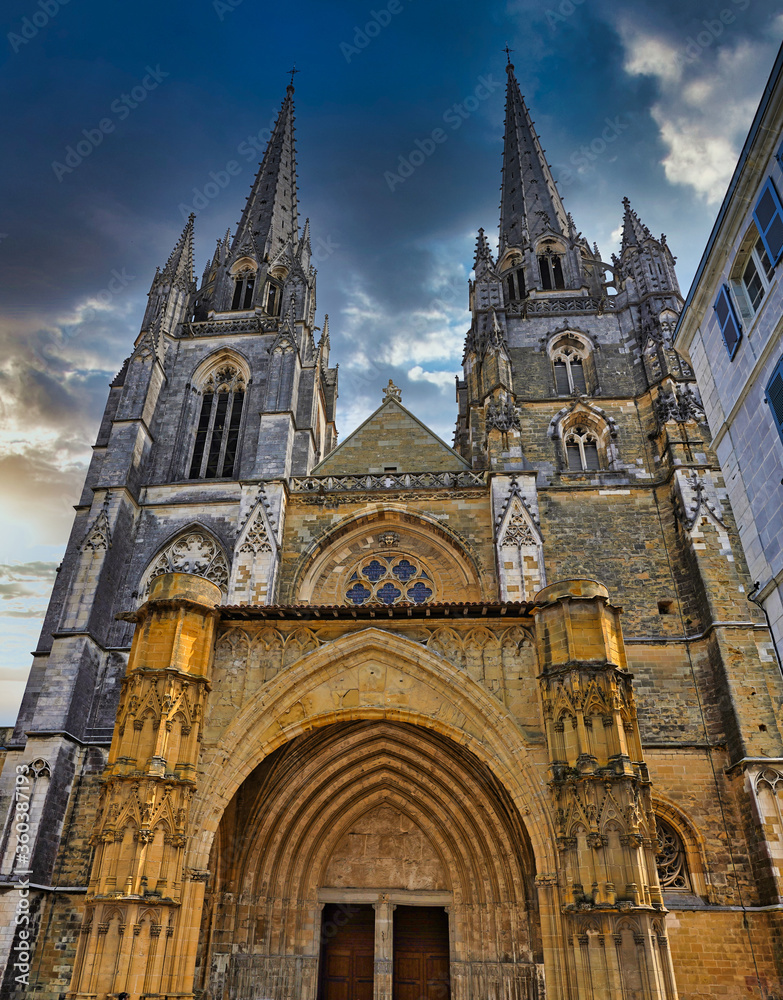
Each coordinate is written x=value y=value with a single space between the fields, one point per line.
x=195 y=553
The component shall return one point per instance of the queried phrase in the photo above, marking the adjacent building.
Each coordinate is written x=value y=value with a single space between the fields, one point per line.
x=732 y=331
x=392 y=718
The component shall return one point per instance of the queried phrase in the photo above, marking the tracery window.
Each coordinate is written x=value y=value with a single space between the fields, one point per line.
x=569 y=370
x=581 y=444
x=244 y=285
x=389 y=580
x=220 y=419
x=671 y=859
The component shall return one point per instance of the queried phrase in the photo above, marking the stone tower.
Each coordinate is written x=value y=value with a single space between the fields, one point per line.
x=312 y=720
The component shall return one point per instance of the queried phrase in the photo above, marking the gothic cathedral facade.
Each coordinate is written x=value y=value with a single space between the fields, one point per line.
x=390 y=718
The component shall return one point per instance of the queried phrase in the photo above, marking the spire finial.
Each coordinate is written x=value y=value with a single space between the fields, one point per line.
x=508 y=52
x=293 y=71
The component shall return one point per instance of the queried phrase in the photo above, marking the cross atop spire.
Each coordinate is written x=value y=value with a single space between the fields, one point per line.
x=270 y=218
x=530 y=204
x=293 y=71
x=634 y=230
x=508 y=52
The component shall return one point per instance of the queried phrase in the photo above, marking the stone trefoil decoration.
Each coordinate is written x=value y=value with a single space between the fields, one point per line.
x=256 y=538
x=195 y=553
x=518 y=531
x=99 y=533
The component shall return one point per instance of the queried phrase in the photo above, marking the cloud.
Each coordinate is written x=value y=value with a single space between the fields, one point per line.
x=38 y=491
x=706 y=99
x=443 y=380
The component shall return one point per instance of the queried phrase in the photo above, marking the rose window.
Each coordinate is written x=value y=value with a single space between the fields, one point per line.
x=389 y=580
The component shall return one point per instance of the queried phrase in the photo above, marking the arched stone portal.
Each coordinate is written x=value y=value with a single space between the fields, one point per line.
x=369 y=812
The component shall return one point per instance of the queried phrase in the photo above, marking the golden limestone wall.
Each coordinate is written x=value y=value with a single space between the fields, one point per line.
x=487 y=760
x=326 y=539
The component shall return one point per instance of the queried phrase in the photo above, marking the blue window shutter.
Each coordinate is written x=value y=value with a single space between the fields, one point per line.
x=768 y=214
x=727 y=320
x=774 y=394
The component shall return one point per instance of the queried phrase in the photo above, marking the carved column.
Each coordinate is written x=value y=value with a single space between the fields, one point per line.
x=132 y=938
x=611 y=901
x=384 y=931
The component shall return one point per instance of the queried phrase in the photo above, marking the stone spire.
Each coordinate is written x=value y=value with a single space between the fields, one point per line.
x=634 y=230
x=529 y=202
x=177 y=275
x=179 y=266
x=270 y=217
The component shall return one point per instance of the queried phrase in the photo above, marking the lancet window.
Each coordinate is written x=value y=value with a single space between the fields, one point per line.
x=582 y=454
x=244 y=286
x=569 y=370
x=550 y=266
x=273 y=298
x=219 y=423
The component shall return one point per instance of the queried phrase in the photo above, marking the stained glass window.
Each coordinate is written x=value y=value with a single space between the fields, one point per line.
x=217 y=434
x=388 y=593
x=374 y=571
x=392 y=579
x=419 y=593
x=358 y=594
x=404 y=570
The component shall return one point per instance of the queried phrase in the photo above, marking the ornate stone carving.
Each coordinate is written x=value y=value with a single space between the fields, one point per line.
x=256 y=537
x=195 y=553
x=682 y=404
x=502 y=415
x=99 y=533
x=388 y=481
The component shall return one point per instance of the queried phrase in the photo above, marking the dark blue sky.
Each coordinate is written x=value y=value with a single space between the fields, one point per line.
x=646 y=99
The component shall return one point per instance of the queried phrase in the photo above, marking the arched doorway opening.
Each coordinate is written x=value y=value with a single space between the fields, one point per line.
x=371 y=814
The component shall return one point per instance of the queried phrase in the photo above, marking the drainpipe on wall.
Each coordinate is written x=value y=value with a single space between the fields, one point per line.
x=752 y=598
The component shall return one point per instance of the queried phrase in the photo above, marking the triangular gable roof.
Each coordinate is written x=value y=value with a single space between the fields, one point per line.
x=392 y=435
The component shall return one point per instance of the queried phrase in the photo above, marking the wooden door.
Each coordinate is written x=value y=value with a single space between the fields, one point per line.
x=347 y=952
x=421 y=953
